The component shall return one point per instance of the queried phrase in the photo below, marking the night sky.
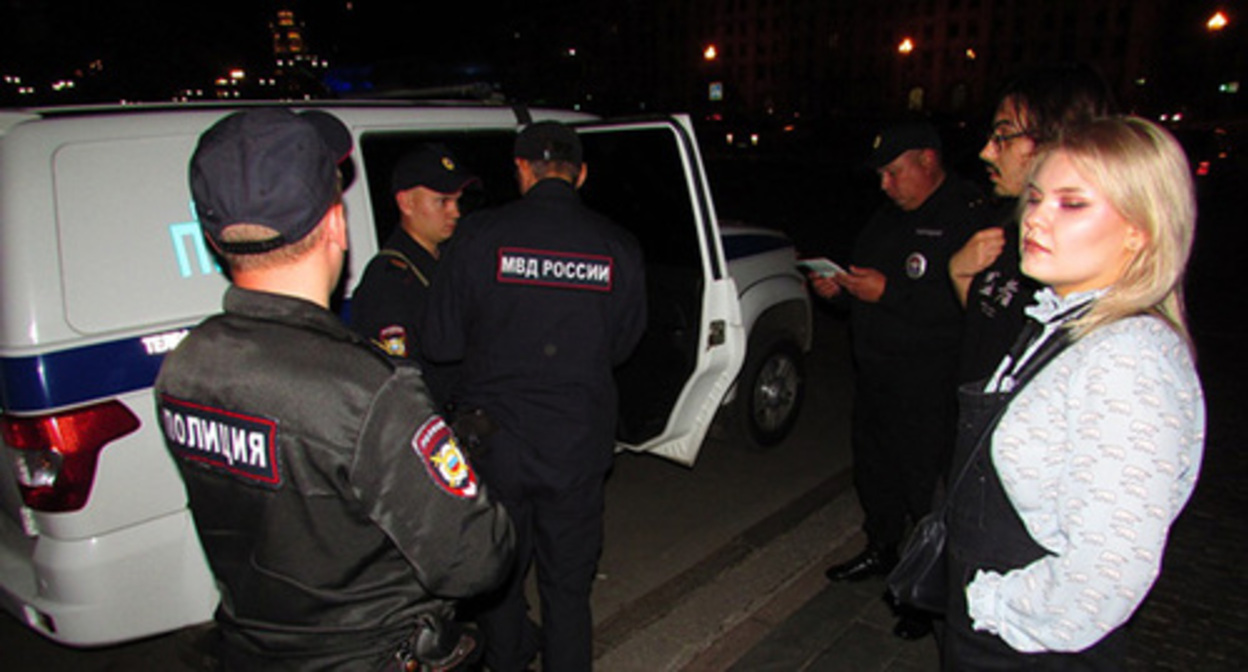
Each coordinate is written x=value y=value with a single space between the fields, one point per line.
x=155 y=42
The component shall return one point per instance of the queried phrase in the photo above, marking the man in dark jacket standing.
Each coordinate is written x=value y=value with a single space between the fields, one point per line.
x=541 y=299
x=389 y=302
x=906 y=327
x=337 y=512
x=1032 y=111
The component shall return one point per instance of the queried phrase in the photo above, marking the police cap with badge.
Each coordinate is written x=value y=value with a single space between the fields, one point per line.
x=432 y=166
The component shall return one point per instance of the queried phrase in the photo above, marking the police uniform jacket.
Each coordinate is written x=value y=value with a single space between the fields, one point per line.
x=541 y=298
x=389 y=303
x=334 y=507
x=918 y=314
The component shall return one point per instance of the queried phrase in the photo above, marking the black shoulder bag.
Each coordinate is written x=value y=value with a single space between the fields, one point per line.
x=920 y=579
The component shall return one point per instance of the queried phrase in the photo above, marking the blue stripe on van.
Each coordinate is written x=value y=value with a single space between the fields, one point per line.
x=747 y=245
x=41 y=382
x=90 y=373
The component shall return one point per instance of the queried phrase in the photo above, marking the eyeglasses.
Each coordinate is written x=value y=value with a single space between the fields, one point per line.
x=999 y=139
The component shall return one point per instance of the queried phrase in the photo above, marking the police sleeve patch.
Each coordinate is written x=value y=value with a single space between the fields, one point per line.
x=569 y=270
x=436 y=446
x=393 y=339
x=239 y=445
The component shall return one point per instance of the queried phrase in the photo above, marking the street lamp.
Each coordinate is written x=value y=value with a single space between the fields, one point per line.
x=710 y=53
x=906 y=46
x=1217 y=22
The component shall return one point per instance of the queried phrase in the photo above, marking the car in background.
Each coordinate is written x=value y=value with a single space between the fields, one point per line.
x=1210 y=151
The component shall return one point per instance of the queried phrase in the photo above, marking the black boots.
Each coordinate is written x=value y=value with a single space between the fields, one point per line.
x=875 y=561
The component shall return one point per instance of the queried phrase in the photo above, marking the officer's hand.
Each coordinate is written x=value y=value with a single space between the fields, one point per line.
x=865 y=284
x=978 y=253
x=824 y=285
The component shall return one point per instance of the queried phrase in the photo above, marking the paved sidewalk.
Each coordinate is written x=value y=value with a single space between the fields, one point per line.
x=843 y=627
x=1195 y=620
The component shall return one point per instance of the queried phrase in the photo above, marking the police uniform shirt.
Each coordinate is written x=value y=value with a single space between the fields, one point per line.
x=332 y=504
x=387 y=306
x=541 y=298
x=918 y=314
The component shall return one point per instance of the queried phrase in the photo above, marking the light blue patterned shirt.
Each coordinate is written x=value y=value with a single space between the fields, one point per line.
x=1098 y=454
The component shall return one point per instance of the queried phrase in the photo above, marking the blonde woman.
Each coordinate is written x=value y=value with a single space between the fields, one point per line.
x=1081 y=450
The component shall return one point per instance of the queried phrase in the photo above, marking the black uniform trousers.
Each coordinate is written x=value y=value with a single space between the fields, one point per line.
x=985 y=532
x=562 y=529
x=902 y=436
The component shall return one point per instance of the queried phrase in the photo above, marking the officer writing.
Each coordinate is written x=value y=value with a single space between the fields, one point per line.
x=542 y=298
x=905 y=326
x=387 y=306
x=334 y=506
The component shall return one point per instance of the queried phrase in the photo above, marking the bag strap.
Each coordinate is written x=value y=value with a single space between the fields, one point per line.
x=402 y=258
x=1047 y=352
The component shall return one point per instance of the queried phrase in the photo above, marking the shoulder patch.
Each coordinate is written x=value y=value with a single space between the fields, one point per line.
x=916 y=265
x=437 y=447
x=393 y=339
x=546 y=268
x=239 y=445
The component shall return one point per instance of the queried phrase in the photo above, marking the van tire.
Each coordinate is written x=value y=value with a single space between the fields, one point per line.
x=770 y=391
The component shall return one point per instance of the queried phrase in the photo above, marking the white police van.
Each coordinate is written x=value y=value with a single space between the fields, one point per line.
x=103 y=271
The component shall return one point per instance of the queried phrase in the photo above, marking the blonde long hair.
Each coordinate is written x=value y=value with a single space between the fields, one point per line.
x=1143 y=172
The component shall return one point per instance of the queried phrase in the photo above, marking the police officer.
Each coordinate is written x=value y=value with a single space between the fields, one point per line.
x=542 y=298
x=905 y=328
x=335 y=508
x=387 y=306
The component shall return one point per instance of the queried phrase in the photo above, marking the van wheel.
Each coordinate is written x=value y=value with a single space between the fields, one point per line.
x=770 y=391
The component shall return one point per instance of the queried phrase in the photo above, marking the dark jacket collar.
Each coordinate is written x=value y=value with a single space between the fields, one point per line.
x=283 y=309
x=552 y=187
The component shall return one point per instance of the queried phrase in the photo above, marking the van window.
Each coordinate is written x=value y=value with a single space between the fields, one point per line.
x=131 y=251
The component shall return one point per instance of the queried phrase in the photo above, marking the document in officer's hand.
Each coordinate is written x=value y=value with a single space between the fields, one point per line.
x=821 y=266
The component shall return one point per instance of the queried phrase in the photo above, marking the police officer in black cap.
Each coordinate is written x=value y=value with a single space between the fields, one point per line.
x=387 y=306
x=334 y=506
x=905 y=327
x=542 y=298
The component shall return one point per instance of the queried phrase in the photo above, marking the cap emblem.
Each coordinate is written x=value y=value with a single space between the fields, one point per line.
x=448 y=164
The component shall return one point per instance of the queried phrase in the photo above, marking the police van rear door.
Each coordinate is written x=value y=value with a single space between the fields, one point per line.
x=647 y=175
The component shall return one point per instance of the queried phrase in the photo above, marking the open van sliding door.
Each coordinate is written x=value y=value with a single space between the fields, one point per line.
x=647 y=176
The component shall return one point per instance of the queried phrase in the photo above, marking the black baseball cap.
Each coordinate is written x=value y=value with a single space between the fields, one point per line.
x=432 y=166
x=893 y=141
x=548 y=141
x=270 y=167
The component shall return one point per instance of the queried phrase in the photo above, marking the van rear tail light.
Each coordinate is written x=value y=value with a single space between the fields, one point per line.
x=54 y=456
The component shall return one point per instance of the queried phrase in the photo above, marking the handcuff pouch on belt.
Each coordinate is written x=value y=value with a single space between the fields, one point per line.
x=439 y=645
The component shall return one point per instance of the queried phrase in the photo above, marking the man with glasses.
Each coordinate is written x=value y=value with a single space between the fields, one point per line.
x=985 y=272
